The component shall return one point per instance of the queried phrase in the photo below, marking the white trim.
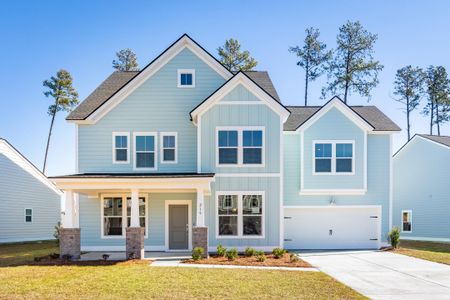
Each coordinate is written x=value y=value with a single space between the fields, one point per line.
x=248 y=175
x=199 y=145
x=17 y=158
x=119 y=248
x=238 y=102
x=114 y=158
x=166 y=223
x=185 y=71
x=281 y=222
x=240 y=78
x=213 y=249
x=240 y=146
x=155 y=150
x=162 y=135
x=415 y=138
x=424 y=239
x=375 y=132
x=124 y=216
x=240 y=218
x=183 y=43
x=409 y=212
x=333 y=157
x=365 y=164
x=331 y=192
x=76 y=149
x=391 y=183
x=25 y=215
x=302 y=161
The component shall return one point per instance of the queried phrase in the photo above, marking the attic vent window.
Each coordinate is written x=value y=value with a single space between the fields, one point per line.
x=186 y=78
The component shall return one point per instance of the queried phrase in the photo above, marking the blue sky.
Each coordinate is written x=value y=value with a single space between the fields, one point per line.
x=40 y=37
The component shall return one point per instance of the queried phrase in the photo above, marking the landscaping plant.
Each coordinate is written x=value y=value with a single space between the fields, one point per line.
x=197 y=253
x=232 y=254
x=260 y=256
x=221 y=250
x=249 y=252
x=278 y=252
x=394 y=237
x=293 y=258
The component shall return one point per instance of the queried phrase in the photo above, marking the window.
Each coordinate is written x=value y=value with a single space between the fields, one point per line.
x=28 y=215
x=406 y=220
x=240 y=146
x=120 y=147
x=333 y=157
x=240 y=215
x=117 y=217
x=186 y=78
x=145 y=154
x=169 y=147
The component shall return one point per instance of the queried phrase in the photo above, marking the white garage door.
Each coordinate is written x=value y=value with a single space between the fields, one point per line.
x=336 y=227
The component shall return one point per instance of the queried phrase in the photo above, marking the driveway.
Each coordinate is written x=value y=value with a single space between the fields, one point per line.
x=384 y=275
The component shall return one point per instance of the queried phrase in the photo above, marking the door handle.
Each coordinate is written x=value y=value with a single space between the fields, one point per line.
x=187 y=227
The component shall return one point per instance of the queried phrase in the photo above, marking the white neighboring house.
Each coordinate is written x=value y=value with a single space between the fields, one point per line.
x=30 y=203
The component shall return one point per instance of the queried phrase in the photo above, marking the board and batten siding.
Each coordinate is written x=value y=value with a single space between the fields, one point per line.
x=422 y=185
x=21 y=190
x=158 y=105
x=378 y=161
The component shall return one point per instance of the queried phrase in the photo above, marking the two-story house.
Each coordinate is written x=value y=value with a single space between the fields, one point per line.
x=185 y=153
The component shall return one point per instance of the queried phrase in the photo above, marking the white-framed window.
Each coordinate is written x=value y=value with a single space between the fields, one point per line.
x=169 y=147
x=145 y=154
x=120 y=147
x=116 y=216
x=240 y=146
x=333 y=157
x=240 y=214
x=406 y=221
x=186 y=78
x=28 y=213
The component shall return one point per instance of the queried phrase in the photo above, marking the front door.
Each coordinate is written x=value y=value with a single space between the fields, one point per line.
x=178 y=227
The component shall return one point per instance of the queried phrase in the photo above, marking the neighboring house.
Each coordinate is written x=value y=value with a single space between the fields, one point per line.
x=31 y=203
x=200 y=156
x=422 y=188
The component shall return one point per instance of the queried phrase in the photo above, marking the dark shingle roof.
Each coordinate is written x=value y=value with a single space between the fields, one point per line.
x=118 y=79
x=371 y=114
x=444 y=140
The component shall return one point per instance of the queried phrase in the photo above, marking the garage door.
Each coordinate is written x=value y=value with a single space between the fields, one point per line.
x=332 y=227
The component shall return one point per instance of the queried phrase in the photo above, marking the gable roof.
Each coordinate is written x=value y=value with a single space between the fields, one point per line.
x=244 y=79
x=20 y=160
x=444 y=140
x=370 y=114
x=108 y=97
x=262 y=79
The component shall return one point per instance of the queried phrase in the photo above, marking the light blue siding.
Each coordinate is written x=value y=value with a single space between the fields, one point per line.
x=421 y=184
x=21 y=190
x=377 y=178
x=240 y=93
x=334 y=125
x=158 y=105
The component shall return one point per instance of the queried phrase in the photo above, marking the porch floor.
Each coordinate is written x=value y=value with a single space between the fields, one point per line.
x=120 y=255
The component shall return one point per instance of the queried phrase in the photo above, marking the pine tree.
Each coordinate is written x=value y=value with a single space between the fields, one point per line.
x=126 y=60
x=233 y=58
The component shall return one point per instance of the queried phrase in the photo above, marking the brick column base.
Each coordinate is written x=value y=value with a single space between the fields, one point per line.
x=200 y=239
x=69 y=243
x=135 y=242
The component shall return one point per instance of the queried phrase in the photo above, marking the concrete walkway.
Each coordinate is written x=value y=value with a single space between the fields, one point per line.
x=384 y=275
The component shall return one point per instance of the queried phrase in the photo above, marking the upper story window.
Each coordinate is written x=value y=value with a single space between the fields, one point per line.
x=144 y=151
x=28 y=215
x=169 y=146
x=186 y=78
x=406 y=221
x=333 y=157
x=121 y=153
x=240 y=146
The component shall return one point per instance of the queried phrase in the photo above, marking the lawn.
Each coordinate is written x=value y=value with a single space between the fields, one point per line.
x=437 y=252
x=21 y=278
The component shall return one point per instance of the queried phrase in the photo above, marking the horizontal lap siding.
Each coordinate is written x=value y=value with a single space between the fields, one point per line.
x=21 y=190
x=422 y=184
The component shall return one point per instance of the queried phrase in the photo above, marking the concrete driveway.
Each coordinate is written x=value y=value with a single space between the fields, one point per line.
x=384 y=275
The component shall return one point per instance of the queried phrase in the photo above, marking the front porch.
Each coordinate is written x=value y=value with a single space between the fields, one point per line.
x=134 y=213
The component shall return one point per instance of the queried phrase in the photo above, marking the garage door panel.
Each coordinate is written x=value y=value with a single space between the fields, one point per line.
x=331 y=228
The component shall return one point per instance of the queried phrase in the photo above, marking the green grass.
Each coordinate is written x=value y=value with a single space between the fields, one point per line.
x=21 y=278
x=437 y=252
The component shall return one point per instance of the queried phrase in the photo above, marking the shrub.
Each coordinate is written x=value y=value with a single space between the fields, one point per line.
x=197 y=253
x=260 y=256
x=57 y=227
x=221 y=250
x=232 y=254
x=249 y=252
x=278 y=252
x=394 y=237
x=293 y=258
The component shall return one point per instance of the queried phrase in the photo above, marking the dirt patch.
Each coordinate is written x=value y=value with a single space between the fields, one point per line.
x=271 y=261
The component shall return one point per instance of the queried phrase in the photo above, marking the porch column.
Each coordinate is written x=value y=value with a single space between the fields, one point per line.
x=135 y=233
x=69 y=234
x=200 y=231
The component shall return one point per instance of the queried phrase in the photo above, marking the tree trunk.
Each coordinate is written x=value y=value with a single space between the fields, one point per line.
x=407 y=118
x=431 y=117
x=49 y=135
x=306 y=88
x=347 y=67
x=437 y=120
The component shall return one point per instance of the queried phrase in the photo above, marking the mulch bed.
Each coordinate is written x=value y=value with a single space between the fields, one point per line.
x=54 y=260
x=242 y=260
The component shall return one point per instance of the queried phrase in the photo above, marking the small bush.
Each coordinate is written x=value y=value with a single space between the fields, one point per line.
x=57 y=227
x=278 y=252
x=197 y=253
x=260 y=256
x=221 y=250
x=232 y=254
x=249 y=252
x=106 y=256
x=394 y=237
x=293 y=258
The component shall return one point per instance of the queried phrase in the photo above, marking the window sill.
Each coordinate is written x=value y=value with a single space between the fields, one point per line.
x=239 y=237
